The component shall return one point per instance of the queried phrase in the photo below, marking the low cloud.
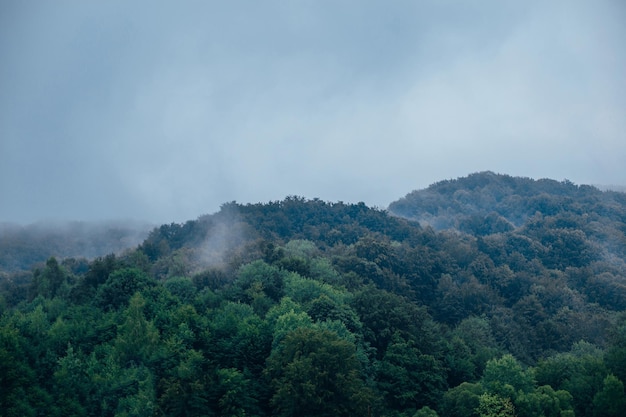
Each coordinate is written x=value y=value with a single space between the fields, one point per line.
x=164 y=112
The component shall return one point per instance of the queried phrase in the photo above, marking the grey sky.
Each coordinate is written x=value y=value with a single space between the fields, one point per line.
x=162 y=111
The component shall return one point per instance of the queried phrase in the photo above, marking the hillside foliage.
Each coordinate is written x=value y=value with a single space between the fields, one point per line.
x=484 y=296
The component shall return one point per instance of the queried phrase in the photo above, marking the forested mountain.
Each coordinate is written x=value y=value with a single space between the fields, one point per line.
x=512 y=303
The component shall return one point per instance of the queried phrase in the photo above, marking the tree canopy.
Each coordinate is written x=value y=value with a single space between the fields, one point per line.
x=496 y=296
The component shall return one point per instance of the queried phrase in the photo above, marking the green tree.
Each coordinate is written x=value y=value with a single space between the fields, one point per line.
x=49 y=281
x=185 y=386
x=238 y=338
x=409 y=379
x=287 y=323
x=462 y=401
x=141 y=399
x=118 y=390
x=270 y=278
x=97 y=274
x=71 y=383
x=20 y=392
x=610 y=401
x=316 y=373
x=384 y=314
x=235 y=395
x=137 y=338
x=505 y=376
x=493 y=405
x=324 y=308
x=580 y=372
x=181 y=288
x=120 y=286
x=615 y=357
x=543 y=401
x=459 y=362
x=476 y=334
x=426 y=411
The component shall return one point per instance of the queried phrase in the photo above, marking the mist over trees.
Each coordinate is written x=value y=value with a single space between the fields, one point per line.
x=22 y=246
x=488 y=295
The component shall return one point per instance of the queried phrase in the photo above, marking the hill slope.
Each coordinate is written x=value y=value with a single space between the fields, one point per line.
x=304 y=307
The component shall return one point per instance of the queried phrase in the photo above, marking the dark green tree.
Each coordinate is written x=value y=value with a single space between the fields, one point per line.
x=185 y=387
x=384 y=314
x=235 y=394
x=316 y=373
x=48 y=282
x=580 y=372
x=20 y=393
x=97 y=274
x=120 y=286
x=615 y=357
x=425 y=411
x=610 y=401
x=409 y=379
x=462 y=400
x=137 y=339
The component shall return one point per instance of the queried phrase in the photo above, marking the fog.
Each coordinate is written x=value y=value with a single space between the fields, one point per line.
x=163 y=112
x=22 y=246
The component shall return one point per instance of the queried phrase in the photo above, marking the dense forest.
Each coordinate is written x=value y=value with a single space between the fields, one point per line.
x=487 y=295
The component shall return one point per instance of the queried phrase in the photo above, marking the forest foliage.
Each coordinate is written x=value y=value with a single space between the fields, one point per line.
x=484 y=296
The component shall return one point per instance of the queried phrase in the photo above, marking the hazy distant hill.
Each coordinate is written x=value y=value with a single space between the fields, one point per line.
x=23 y=246
x=485 y=202
x=579 y=222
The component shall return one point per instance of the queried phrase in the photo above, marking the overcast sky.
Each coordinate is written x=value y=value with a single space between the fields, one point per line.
x=162 y=110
